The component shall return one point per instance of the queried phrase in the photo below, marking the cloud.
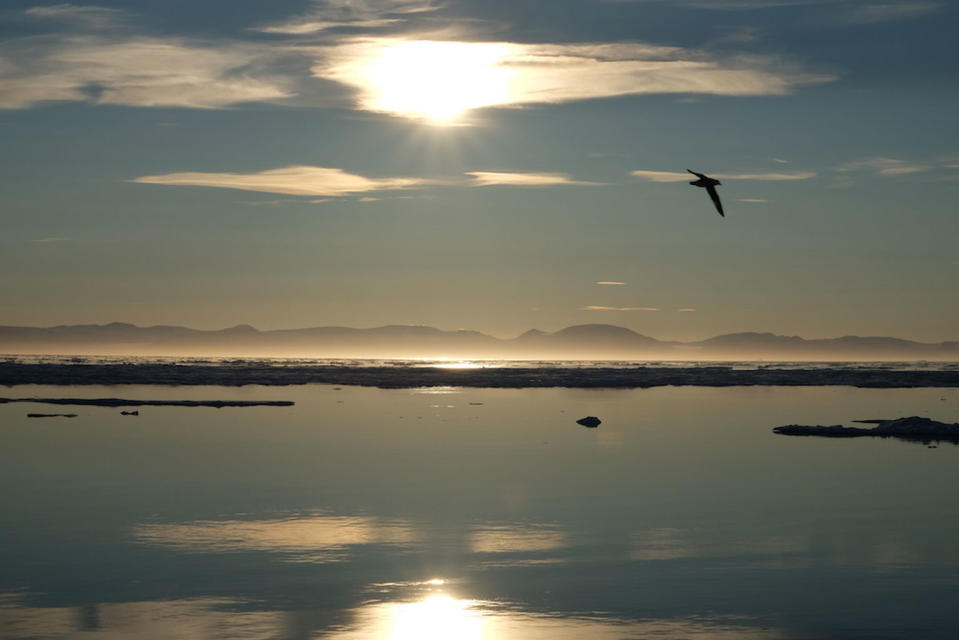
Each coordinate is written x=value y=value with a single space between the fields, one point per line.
x=594 y=307
x=686 y=310
x=294 y=180
x=87 y=16
x=875 y=12
x=842 y=12
x=675 y=176
x=662 y=176
x=331 y=14
x=884 y=166
x=53 y=239
x=610 y=283
x=768 y=177
x=519 y=179
x=423 y=78
x=143 y=72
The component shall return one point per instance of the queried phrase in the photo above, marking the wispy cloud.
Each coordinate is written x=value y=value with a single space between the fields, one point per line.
x=768 y=177
x=407 y=77
x=295 y=180
x=331 y=14
x=524 y=179
x=610 y=283
x=686 y=310
x=885 y=166
x=78 y=16
x=662 y=176
x=98 y=57
x=840 y=12
x=143 y=72
x=594 y=307
x=52 y=239
x=675 y=176
x=873 y=12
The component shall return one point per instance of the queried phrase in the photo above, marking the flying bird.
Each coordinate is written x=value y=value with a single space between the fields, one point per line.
x=710 y=185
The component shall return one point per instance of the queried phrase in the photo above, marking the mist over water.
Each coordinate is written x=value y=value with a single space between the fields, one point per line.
x=447 y=512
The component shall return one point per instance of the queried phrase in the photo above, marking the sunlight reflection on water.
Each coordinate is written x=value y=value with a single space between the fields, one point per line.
x=476 y=513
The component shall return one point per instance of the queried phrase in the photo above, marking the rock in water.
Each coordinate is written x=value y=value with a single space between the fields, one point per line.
x=913 y=427
x=590 y=421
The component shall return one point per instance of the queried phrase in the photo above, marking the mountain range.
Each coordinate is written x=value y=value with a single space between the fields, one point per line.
x=589 y=341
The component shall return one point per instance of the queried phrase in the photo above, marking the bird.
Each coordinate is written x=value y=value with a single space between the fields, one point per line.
x=710 y=185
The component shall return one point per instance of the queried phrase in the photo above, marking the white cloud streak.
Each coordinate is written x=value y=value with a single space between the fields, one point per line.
x=675 y=176
x=294 y=180
x=611 y=283
x=144 y=72
x=875 y=12
x=885 y=166
x=331 y=14
x=86 y=16
x=594 y=307
x=520 y=179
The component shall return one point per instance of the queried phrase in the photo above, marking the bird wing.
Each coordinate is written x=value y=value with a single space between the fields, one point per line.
x=695 y=174
x=711 y=190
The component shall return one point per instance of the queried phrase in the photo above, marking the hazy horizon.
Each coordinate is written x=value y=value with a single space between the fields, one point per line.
x=501 y=336
x=579 y=342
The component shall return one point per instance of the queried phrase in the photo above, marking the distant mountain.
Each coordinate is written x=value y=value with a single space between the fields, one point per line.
x=588 y=341
x=765 y=345
x=600 y=341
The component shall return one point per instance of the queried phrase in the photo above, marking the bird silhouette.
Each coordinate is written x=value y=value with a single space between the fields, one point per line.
x=710 y=185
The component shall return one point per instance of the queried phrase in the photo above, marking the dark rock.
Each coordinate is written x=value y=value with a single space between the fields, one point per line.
x=911 y=428
x=129 y=413
x=590 y=421
x=119 y=402
x=832 y=431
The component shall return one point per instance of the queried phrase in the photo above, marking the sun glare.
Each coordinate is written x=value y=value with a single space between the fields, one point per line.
x=438 y=617
x=438 y=81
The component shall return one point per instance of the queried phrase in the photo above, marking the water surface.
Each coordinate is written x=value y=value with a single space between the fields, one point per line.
x=477 y=513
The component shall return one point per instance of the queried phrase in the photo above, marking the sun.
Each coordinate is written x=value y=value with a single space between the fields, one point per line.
x=433 y=80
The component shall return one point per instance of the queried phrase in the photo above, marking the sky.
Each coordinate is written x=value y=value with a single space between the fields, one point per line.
x=495 y=165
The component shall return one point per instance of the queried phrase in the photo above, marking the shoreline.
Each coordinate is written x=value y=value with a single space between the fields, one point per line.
x=61 y=374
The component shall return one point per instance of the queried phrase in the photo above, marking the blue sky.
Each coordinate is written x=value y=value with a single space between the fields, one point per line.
x=482 y=165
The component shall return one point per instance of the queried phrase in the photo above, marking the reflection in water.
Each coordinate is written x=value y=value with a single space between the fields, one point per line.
x=437 y=616
x=682 y=516
x=320 y=538
x=460 y=364
x=517 y=539
x=672 y=544
x=197 y=619
x=445 y=616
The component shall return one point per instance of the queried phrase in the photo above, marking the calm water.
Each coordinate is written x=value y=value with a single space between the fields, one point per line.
x=472 y=513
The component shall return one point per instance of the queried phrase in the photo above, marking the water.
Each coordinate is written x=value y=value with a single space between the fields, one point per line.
x=477 y=513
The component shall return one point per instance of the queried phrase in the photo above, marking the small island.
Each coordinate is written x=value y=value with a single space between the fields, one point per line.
x=911 y=428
